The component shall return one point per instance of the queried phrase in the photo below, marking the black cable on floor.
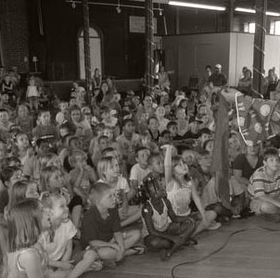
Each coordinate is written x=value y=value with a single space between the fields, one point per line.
x=220 y=248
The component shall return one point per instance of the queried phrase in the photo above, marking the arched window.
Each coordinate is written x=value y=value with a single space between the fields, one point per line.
x=95 y=51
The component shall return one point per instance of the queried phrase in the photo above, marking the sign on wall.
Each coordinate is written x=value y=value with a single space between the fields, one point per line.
x=137 y=24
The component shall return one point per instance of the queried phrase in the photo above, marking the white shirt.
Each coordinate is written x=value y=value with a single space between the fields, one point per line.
x=179 y=197
x=122 y=184
x=56 y=249
x=32 y=91
x=138 y=174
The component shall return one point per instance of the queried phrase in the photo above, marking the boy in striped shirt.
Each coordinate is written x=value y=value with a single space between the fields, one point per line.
x=264 y=186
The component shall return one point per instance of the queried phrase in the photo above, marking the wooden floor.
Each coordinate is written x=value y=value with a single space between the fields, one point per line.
x=254 y=253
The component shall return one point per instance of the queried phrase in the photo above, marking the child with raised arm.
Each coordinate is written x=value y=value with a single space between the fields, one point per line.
x=163 y=230
x=181 y=190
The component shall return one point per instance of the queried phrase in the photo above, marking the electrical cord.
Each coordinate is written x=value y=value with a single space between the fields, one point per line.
x=220 y=248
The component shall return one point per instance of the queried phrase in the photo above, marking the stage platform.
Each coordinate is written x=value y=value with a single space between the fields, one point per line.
x=254 y=253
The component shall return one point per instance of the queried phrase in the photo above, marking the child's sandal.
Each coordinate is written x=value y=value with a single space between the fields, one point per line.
x=139 y=250
x=96 y=266
x=111 y=264
x=191 y=242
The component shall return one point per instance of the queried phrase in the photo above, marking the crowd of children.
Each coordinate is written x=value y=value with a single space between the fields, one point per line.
x=97 y=178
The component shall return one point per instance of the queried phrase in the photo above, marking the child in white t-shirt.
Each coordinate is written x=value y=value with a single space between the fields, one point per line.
x=140 y=170
x=58 y=241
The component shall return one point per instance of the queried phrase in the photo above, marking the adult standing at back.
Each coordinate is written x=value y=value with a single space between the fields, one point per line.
x=218 y=79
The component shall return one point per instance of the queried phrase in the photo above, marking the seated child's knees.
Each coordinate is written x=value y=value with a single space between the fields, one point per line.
x=152 y=242
x=107 y=253
x=267 y=208
x=210 y=215
x=136 y=234
x=262 y=207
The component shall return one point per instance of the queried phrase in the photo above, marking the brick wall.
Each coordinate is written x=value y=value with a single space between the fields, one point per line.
x=14 y=33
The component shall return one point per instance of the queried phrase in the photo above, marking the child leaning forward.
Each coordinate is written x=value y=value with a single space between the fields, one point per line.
x=101 y=228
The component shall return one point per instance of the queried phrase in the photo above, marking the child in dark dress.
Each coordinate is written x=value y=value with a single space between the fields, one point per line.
x=163 y=230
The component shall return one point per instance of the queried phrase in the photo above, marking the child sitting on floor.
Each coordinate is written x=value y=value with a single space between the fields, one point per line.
x=81 y=179
x=264 y=186
x=101 y=229
x=140 y=170
x=109 y=172
x=163 y=230
x=181 y=190
x=58 y=241
x=26 y=257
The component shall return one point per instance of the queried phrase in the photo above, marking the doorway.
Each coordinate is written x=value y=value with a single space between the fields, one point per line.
x=95 y=51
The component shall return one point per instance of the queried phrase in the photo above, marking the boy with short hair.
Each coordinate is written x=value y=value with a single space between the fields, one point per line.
x=128 y=142
x=193 y=133
x=101 y=229
x=156 y=165
x=172 y=127
x=264 y=186
x=153 y=128
x=140 y=170
x=44 y=126
x=204 y=135
x=165 y=137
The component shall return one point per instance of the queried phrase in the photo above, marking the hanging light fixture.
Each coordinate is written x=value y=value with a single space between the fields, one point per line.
x=252 y=11
x=118 y=8
x=196 y=6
